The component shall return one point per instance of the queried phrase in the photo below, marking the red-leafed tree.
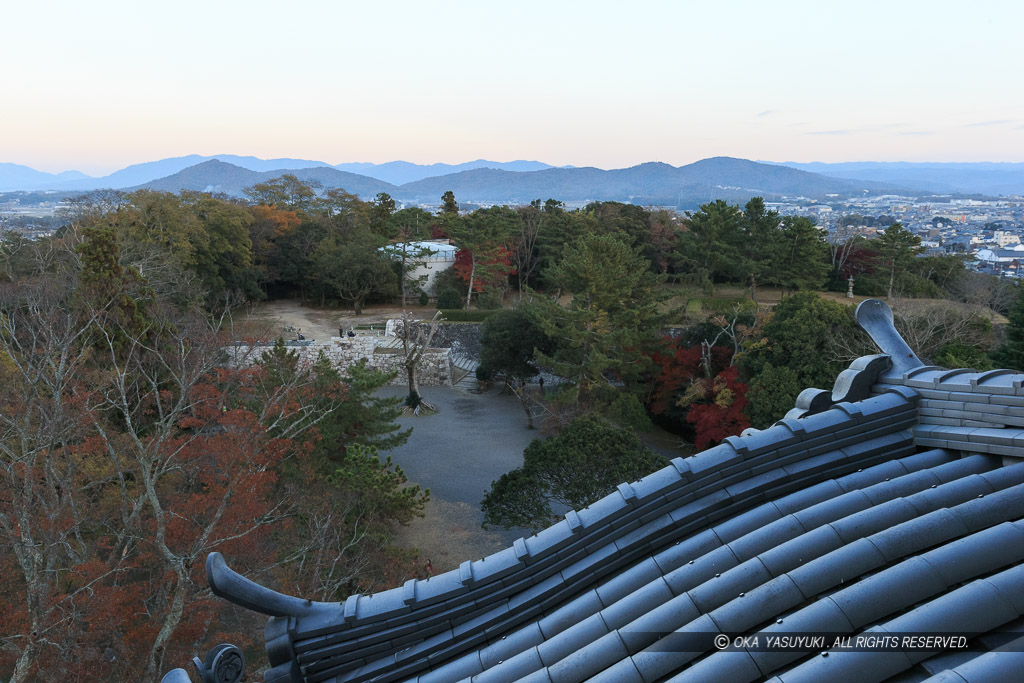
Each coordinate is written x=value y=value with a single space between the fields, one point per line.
x=483 y=238
x=486 y=271
x=716 y=407
x=698 y=392
x=129 y=451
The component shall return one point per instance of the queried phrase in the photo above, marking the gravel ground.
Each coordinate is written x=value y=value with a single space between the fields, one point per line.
x=457 y=453
x=269 y=320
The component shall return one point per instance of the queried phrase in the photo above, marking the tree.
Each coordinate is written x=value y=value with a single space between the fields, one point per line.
x=707 y=247
x=796 y=352
x=697 y=392
x=508 y=341
x=224 y=258
x=409 y=257
x=410 y=224
x=129 y=450
x=449 y=298
x=896 y=247
x=605 y=334
x=416 y=338
x=269 y=231
x=802 y=256
x=381 y=210
x=482 y=238
x=287 y=193
x=367 y=419
x=353 y=268
x=524 y=257
x=572 y=470
x=448 y=204
x=758 y=245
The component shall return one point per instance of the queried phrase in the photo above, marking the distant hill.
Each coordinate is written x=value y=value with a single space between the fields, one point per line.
x=139 y=174
x=401 y=172
x=686 y=187
x=218 y=176
x=653 y=183
x=948 y=178
x=650 y=183
x=15 y=177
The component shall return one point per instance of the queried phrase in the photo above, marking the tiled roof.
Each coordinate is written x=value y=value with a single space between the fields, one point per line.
x=892 y=505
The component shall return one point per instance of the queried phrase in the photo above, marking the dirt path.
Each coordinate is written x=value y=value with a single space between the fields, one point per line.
x=274 y=318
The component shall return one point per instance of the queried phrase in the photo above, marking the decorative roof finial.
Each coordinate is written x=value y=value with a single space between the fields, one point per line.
x=875 y=318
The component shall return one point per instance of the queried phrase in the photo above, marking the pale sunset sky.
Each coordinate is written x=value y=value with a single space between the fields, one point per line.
x=95 y=86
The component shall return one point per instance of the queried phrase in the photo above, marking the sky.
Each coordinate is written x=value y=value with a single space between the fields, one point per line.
x=95 y=86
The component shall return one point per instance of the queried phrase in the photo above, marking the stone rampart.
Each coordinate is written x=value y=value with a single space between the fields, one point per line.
x=434 y=367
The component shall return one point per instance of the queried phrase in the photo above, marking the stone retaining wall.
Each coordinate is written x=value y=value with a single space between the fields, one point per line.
x=461 y=338
x=434 y=367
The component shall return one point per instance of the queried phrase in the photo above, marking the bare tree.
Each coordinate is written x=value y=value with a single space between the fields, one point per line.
x=43 y=350
x=416 y=337
x=524 y=245
x=994 y=294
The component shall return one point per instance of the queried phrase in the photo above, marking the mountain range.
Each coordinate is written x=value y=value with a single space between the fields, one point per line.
x=15 y=177
x=651 y=183
x=966 y=178
x=483 y=181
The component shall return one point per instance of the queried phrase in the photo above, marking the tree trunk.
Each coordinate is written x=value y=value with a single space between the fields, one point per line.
x=414 y=387
x=472 y=274
x=25 y=661
x=171 y=621
x=526 y=404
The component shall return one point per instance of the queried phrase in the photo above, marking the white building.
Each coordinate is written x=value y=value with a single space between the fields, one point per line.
x=1005 y=238
x=426 y=260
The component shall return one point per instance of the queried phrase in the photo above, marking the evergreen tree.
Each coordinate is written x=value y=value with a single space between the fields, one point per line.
x=757 y=245
x=574 y=469
x=802 y=261
x=708 y=248
x=1011 y=354
x=793 y=354
x=897 y=246
x=605 y=334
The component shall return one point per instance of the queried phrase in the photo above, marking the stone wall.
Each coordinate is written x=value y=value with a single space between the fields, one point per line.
x=462 y=338
x=434 y=367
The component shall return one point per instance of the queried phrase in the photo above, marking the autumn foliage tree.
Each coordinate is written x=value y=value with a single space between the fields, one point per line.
x=698 y=393
x=129 y=450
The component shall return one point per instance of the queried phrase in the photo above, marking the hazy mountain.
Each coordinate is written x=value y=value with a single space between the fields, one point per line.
x=981 y=178
x=401 y=172
x=483 y=180
x=219 y=176
x=650 y=183
x=139 y=174
x=14 y=177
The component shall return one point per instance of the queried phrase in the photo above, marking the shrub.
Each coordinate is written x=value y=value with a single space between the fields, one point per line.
x=448 y=298
x=489 y=301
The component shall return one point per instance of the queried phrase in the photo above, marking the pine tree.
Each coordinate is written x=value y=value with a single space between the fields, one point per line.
x=1011 y=354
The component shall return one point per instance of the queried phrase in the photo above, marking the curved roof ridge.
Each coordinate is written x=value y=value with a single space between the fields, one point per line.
x=982 y=605
x=801 y=567
x=723 y=490
x=916 y=578
x=649 y=578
